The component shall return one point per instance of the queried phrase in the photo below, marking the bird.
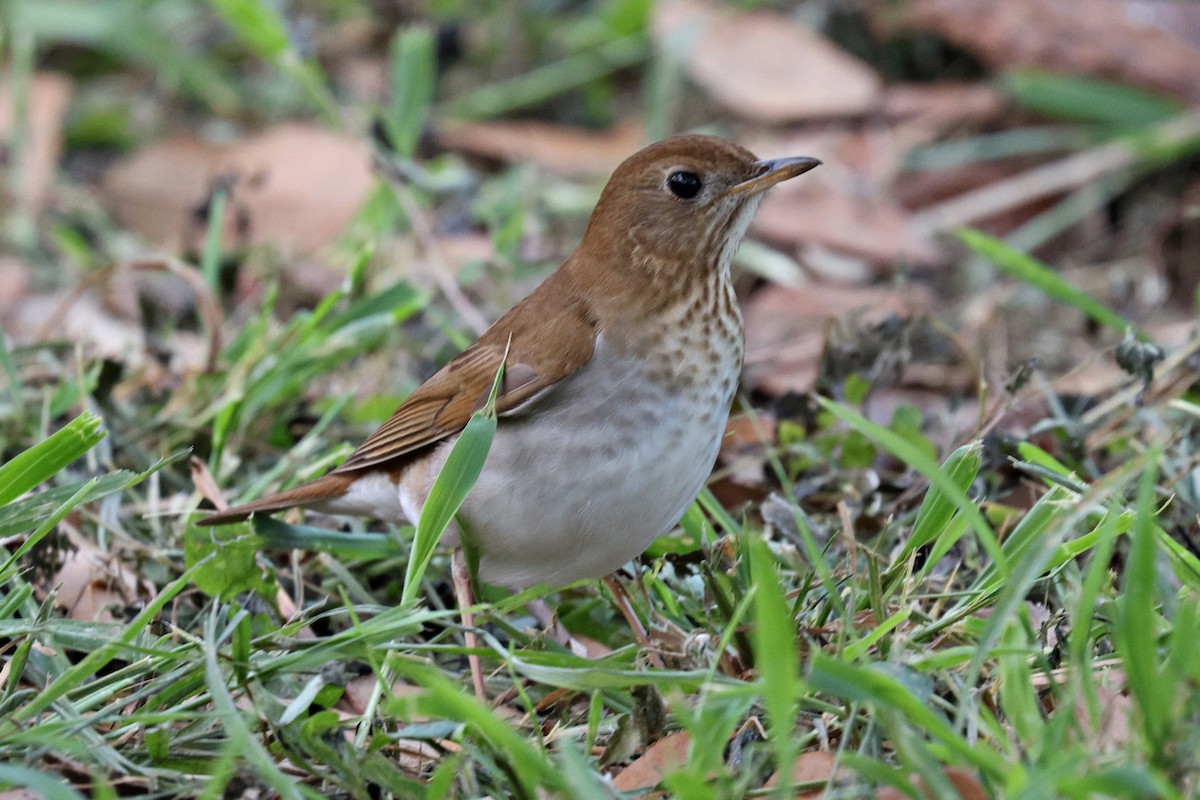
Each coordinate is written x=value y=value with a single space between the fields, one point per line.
x=619 y=371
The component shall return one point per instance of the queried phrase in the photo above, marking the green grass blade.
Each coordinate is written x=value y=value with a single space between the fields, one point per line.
x=872 y=685
x=450 y=488
x=1137 y=622
x=775 y=658
x=42 y=461
x=413 y=76
x=1029 y=270
x=1084 y=99
x=275 y=534
x=904 y=450
x=37 y=783
x=239 y=736
x=936 y=511
x=446 y=700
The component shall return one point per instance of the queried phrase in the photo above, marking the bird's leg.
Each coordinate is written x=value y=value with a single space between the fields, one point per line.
x=461 y=577
x=639 y=630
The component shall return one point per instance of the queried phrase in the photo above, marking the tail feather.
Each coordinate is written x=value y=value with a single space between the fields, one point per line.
x=326 y=488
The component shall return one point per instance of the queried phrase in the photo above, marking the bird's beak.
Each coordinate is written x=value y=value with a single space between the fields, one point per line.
x=771 y=172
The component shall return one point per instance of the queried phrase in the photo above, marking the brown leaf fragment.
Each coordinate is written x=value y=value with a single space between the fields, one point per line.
x=1100 y=38
x=809 y=767
x=964 y=782
x=40 y=135
x=875 y=228
x=93 y=583
x=763 y=65
x=923 y=113
x=563 y=150
x=295 y=186
x=668 y=753
x=206 y=484
x=14 y=282
x=847 y=205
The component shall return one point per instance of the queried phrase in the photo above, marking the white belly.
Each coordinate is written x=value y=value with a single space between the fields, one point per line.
x=589 y=478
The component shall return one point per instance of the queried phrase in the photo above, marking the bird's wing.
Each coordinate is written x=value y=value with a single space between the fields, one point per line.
x=441 y=406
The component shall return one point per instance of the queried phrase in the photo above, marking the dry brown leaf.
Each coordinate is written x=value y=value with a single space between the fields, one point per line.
x=846 y=205
x=874 y=228
x=1100 y=38
x=94 y=583
x=763 y=65
x=925 y=112
x=85 y=320
x=357 y=695
x=49 y=95
x=967 y=785
x=295 y=186
x=809 y=767
x=668 y=753
x=416 y=756
x=572 y=152
x=785 y=327
x=14 y=282
x=1110 y=732
x=206 y=484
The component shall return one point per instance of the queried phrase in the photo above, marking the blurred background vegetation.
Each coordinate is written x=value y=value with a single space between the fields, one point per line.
x=244 y=230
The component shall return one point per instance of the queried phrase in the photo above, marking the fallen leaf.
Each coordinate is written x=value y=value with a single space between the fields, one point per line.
x=49 y=95
x=965 y=782
x=295 y=186
x=743 y=449
x=925 y=112
x=1100 y=38
x=564 y=150
x=846 y=205
x=205 y=483
x=809 y=768
x=764 y=65
x=785 y=327
x=668 y=753
x=14 y=282
x=85 y=320
x=356 y=697
x=93 y=583
x=875 y=228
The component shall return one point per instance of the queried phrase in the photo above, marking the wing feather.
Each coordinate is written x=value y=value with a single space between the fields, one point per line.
x=547 y=339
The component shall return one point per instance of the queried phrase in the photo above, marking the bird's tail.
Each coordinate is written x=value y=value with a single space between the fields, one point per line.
x=322 y=489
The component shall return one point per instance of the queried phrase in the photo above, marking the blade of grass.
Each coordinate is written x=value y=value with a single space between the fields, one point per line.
x=44 y=784
x=775 y=659
x=239 y=738
x=1029 y=270
x=447 y=700
x=904 y=450
x=1085 y=99
x=450 y=488
x=1137 y=623
x=413 y=75
x=276 y=534
x=937 y=509
x=871 y=685
x=42 y=461
x=549 y=81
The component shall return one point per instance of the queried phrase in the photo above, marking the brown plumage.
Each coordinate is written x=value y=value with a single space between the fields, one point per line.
x=620 y=371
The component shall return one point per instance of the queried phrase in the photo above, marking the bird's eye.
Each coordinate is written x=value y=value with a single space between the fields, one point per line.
x=684 y=185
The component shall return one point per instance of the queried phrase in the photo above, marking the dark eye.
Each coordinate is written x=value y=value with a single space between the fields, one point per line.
x=684 y=185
